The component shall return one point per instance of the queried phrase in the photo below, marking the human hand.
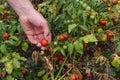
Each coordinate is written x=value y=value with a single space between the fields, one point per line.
x=36 y=28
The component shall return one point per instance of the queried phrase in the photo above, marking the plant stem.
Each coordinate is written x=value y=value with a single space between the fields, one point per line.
x=61 y=68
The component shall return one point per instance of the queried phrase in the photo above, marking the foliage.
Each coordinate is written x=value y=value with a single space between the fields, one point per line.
x=85 y=39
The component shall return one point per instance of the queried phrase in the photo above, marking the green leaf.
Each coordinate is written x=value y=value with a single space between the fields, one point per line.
x=116 y=61
x=55 y=49
x=84 y=27
x=24 y=46
x=10 y=41
x=14 y=38
x=16 y=63
x=78 y=47
x=45 y=77
x=9 y=77
x=9 y=67
x=70 y=48
x=3 y=48
x=40 y=73
x=89 y=38
x=62 y=51
x=118 y=46
x=22 y=58
x=71 y=27
x=5 y=58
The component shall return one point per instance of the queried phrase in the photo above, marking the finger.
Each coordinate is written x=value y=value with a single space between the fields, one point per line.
x=43 y=48
x=32 y=39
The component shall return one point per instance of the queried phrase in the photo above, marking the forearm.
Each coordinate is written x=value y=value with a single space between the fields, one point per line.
x=21 y=7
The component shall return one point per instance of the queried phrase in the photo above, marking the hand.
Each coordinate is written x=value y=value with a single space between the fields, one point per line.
x=35 y=27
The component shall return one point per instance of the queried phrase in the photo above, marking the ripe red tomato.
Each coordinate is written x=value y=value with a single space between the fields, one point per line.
x=65 y=35
x=105 y=1
x=44 y=42
x=88 y=15
x=88 y=75
x=5 y=12
x=50 y=49
x=73 y=78
x=118 y=54
x=99 y=49
x=62 y=59
x=6 y=35
x=110 y=35
x=24 y=72
x=114 y=2
x=102 y=22
x=61 y=37
x=72 y=40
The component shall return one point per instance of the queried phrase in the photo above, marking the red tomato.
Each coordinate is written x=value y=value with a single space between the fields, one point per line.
x=88 y=15
x=61 y=37
x=99 y=49
x=88 y=75
x=50 y=49
x=44 y=42
x=114 y=2
x=102 y=22
x=62 y=59
x=110 y=35
x=118 y=54
x=65 y=35
x=5 y=12
x=24 y=72
x=72 y=40
x=105 y=1
x=6 y=35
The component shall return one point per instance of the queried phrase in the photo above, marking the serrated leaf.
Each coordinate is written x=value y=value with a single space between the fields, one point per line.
x=24 y=46
x=89 y=38
x=3 y=48
x=9 y=77
x=9 y=67
x=40 y=73
x=70 y=48
x=78 y=47
x=22 y=58
x=116 y=61
x=10 y=41
x=14 y=38
x=16 y=63
x=71 y=27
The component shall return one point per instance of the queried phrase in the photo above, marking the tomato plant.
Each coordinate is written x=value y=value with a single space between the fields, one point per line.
x=85 y=34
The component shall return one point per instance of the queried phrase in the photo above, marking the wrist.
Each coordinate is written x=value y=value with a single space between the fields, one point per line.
x=21 y=7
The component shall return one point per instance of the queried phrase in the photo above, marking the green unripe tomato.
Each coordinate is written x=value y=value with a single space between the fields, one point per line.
x=92 y=17
x=55 y=42
x=88 y=8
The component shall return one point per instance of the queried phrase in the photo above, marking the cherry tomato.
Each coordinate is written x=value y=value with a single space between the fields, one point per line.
x=102 y=22
x=24 y=72
x=88 y=15
x=114 y=2
x=65 y=35
x=44 y=42
x=88 y=75
x=61 y=37
x=5 y=12
x=99 y=49
x=6 y=35
x=110 y=34
x=105 y=1
x=50 y=49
